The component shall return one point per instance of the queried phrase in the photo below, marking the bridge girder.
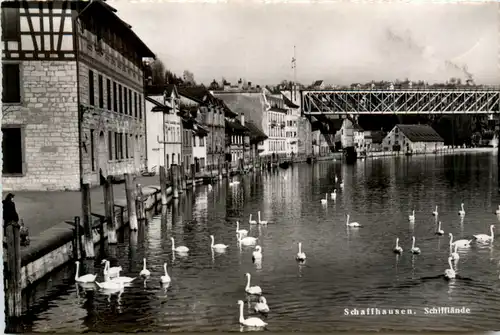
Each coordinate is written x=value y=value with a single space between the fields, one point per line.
x=417 y=101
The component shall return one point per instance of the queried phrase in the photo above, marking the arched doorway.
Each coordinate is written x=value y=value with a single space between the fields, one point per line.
x=102 y=159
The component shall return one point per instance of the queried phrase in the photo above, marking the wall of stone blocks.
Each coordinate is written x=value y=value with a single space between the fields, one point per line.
x=48 y=112
x=304 y=136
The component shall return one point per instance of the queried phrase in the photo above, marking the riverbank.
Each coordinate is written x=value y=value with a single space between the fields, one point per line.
x=375 y=154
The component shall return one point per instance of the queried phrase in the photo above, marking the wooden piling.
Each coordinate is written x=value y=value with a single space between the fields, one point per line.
x=226 y=168
x=180 y=175
x=163 y=185
x=193 y=175
x=109 y=211
x=88 y=234
x=13 y=279
x=130 y=191
x=139 y=201
x=78 y=239
x=183 y=176
x=175 y=180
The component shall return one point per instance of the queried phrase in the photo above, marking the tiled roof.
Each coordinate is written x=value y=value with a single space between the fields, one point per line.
x=278 y=110
x=197 y=93
x=376 y=136
x=200 y=131
x=158 y=106
x=251 y=105
x=288 y=102
x=318 y=83
x=236 y=126
x=169 y=88
x=419 y=133
x=256 y=135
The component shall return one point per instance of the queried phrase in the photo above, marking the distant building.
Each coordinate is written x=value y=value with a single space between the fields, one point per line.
x=318 y=84
x=73 y=95
x=274 y=125
x=256 y=137
x=237 y=142
x=373 y=140
x=359 y=138
x=291 y=124
x=413 y=138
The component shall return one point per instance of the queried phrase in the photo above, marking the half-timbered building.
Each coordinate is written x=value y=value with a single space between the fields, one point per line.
x=73 y=97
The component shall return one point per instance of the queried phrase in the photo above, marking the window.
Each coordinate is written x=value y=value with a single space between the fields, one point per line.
x=91 y=88
x=101 y=91
x=140 y=107
x=13 y=150
x=125 y=100
x=126 y=146
x=121 y=145
x=117 y=142
x=135 y=104
x=115 y=98
x=92 y=152
x=132 y=147
x=11 y=81
x=131 y=111
x=10 y=24
x=120 y=101
x=110 y=145
x=108 y=91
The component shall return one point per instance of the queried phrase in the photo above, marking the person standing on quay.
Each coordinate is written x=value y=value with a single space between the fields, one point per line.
x=10 y=215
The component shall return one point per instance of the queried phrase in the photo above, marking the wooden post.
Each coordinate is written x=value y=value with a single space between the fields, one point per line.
x=14 y=297
x=109 y=211
x=78 y=238
x=193 y=175
x=183 y=175
x=175 y=179
x=139 y=201
x=227 y=167
x=163 y=185
x=130 y=191
x=88 y=237
x=180 y=173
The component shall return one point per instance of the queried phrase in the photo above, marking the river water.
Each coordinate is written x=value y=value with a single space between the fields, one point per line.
x=346 y=268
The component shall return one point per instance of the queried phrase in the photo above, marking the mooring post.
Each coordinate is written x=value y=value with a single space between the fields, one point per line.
x=183 y=176
x=180 y=174
x=193 y=175
x=163 y=185
x=175 y=179
x=139 y=201
x=78 y=239
x=14 y=298
x=88 y=237
x=226 y=168
x=130 y=192
x=109 y=211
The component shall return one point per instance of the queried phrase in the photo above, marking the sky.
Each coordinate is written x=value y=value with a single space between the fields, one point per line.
x=340 y=42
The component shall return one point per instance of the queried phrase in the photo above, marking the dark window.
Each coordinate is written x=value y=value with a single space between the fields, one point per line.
x=91 y=88
x=132 y=146
x=135 y=104
x=92 y=150
x=11 y=83
x=110 y=145
x=130 y=102
x=10 y=24
x=140 y=107
x=101 y=91
x=126 y=146
x=108 y=92
x=116 y=146
x=125 y=100
x=115 y=100
x=13 y=151
x=120 y=101
x=121 y=145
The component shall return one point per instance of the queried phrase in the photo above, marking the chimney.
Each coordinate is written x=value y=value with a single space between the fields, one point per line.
x=242 y=119
x=249 y=84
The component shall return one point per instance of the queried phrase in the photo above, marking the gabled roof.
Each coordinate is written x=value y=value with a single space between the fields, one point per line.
x=357 y=127
x=197 y=93
x=235 y=126
x=171 y=89
x=289 y=102
x=318 y=83
x=256 y=135
x=419 y=133
x=376 y=136
x=199 y=130
x=158 y=106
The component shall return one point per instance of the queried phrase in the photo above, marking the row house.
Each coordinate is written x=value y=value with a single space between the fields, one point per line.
x=73 y=97
x=237 y=142
x=164 y=134
x=274 y=123
x=291 y=125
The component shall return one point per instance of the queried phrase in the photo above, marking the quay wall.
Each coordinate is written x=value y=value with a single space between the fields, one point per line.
x=428 y=152
x=57 y=245
x=47 y=119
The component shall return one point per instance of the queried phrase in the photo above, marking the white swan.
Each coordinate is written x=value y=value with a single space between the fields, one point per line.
x=336 y=179
x=325 y=200
x=351 y=224
x=144 y=272
x=257 y=254
x=439 y=231
x=165 y=278
x=123 y=279
x=218 y=246
x=210 y=187
x=460 y=243
x=262 y=306
x=498 y=210
x=411 y=217
x=110 y=285
x=333 y=195
x=485 y=238
x=397 y=249
x=454 y=255
x=111 y=271
x=88 y=278
x=250 y=322
x=435 y=213
x=259 y=220
x=449 y=273
x=243 y=232
x=180 y=249
x=461 y=212
x=301 y=256
x=414 y=249
x=251 y=221
x=252 y=289
x=341 y=184
x=247 y=240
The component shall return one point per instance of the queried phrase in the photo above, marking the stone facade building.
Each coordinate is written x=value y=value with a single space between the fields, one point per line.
x=73 y=101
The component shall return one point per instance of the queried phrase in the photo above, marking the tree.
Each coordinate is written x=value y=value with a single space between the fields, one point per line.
x=188 y=78
x=157 y=73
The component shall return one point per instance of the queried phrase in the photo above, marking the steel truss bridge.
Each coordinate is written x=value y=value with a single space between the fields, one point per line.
x=400 y=101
